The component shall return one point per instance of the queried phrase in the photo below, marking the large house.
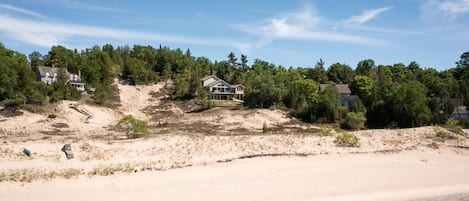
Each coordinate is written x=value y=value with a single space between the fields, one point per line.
x=459 y=109
x=49 y=75
x=346 y=97
x=219 y=89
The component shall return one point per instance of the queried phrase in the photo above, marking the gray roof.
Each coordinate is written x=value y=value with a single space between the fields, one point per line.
x=342 y=88
x=43 y=70
x=51 y=70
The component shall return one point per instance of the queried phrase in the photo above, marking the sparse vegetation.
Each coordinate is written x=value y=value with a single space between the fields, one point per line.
x=454 y=125
x=347 y=140
x=354 y=121
x=135 y=128
x=51 y=116
x=31 y=174
x=326 y=131
x=442 y=134
x=110 y=169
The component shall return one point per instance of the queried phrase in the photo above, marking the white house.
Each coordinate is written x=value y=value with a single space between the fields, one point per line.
x=49 y=75
x=219 y=89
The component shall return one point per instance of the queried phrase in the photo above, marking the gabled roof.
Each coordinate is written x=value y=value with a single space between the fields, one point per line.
x=237 y=85
x=342 y=88
x=51 y=70
x=211 y=84
x=210 y=76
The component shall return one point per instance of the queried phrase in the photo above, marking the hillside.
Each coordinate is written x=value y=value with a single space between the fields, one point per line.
x=218 y=134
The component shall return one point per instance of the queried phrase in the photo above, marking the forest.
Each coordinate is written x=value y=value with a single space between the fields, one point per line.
x=395 y=95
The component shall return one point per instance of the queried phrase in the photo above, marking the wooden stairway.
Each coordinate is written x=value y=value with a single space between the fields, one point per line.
x=83 y=111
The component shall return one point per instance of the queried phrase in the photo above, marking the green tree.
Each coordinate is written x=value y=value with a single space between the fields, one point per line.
x=328 y=105
x=409 y=104
x=318 y=73
x=364 y=67
x=340 y=73
x=233 y=60
x=36 y=59
x=8 y=82
x=302 y=97
x=363 y=87
x=244 y=62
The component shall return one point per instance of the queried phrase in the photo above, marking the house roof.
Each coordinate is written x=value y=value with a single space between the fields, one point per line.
x=342 y=88
x=460 y=110
x=218 y=80
x=43 y=70
x=211 y=84
x=210 y=76
x=51 y=70
x=237 y=85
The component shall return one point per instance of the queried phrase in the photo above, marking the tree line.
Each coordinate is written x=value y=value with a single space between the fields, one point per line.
x=398 y=94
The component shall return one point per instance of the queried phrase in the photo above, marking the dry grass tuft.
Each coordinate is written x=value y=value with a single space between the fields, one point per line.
x=31 y=174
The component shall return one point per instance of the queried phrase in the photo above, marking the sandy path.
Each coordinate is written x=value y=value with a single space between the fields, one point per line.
x=403 y=176
x=135 y=98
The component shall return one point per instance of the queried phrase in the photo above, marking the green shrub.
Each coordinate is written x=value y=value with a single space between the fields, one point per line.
x=347 y=140
x=454 y=125
x=354 y=121
x=208 y=104
x=135 y=128
x=51 y=116
x=442 y=134
x=326 y=131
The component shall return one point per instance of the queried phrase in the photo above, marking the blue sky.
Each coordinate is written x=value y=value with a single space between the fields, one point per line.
x=286 y=32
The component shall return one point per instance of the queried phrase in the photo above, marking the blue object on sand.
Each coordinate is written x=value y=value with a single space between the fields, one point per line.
x=27 y=152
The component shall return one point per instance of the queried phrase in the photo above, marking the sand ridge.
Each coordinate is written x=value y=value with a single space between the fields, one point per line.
x=206 y=139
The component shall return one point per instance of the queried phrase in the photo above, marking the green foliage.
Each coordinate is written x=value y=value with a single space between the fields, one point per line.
x=409 y=104
x=134 y=127
x=347 y=140
x=354 y=121
x=8 y=81
x=442 y=134
x=392 y=94
x=262 y=90
x=51 y=116
x=364 y=67
x=454 y=125
x=340 y=73
x=14 y=102
x=302 y=97
x=326 y=131
x=328 y=105
x=363 y=87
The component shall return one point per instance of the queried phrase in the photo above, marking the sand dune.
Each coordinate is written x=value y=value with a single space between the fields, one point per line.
x=219 y=154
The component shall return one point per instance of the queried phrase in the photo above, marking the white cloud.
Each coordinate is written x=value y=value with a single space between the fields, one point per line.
x=47 y=34
x=85 y=6
x=433 y=9
x=302 y=25
x=21 y=10
x=454 y=7
x=366 y=15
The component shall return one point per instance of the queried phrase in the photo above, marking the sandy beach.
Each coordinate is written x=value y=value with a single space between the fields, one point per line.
x=405 y=176
x=219 y=154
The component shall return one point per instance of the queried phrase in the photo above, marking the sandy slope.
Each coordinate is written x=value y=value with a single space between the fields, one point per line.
x=416 y=163
x=403 y=176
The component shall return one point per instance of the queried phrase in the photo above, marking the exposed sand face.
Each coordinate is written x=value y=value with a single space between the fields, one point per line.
x=404 y=176
x=135 y=98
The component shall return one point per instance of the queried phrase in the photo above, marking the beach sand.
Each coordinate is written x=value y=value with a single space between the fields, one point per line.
x=219 y=154
x=412 y=175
